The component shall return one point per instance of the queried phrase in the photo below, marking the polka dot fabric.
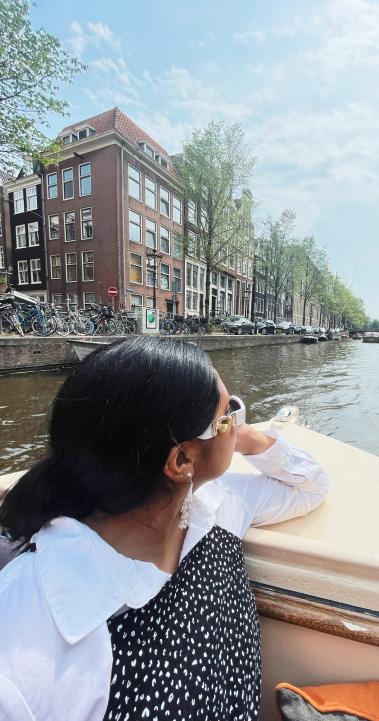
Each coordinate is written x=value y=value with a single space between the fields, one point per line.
x=193 y=652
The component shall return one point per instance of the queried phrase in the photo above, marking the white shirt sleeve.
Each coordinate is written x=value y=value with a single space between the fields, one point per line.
x=13 y=706
x=290 y=484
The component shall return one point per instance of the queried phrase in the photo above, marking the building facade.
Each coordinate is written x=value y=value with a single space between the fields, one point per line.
x=114 y=217
x=26 y=224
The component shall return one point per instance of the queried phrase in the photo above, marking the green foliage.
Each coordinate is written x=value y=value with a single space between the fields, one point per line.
x=33 y=64
x=279 y=253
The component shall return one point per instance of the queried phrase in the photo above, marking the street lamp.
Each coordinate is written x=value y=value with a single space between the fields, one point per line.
x=153 y=260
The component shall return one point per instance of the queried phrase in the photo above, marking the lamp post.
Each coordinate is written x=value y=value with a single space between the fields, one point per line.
x=246 y=297
x=153 y=260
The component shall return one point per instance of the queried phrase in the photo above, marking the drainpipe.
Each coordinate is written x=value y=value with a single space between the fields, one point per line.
x=47 y=268
x=121 y=254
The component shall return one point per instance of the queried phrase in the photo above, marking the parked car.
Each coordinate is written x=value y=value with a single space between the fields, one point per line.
x=309 y=330
x=266 y=326
x=299 y=329
x=285 y=326
x=238 y=324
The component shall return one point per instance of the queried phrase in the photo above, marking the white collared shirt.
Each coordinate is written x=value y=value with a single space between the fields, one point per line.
x=55 y=650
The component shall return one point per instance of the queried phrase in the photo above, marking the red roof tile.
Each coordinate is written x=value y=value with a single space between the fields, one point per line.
x=115 y=119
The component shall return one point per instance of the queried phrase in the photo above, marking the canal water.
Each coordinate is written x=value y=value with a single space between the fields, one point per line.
x=334 y=384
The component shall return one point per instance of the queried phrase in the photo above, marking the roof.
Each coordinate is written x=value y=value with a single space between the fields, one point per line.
x=115 y=119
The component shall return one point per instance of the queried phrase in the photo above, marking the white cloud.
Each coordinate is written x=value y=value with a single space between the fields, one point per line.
x=96 y=33
x=247 y=36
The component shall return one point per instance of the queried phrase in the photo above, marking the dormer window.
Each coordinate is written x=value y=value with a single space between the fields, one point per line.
x=69 y=138
x=147 y=149
x=85 y=133
x=162 y=161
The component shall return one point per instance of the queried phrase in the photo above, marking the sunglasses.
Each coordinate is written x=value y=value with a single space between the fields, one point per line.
x=236 y=416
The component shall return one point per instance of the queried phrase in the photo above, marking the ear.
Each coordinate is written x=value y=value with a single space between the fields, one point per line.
x=178 y=466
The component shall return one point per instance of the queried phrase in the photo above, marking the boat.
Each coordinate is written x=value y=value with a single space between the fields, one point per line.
x=370 y=337
x=83 y=347
x=308 y=338
x=323 y=337
x=316 y=578
x=334 y=335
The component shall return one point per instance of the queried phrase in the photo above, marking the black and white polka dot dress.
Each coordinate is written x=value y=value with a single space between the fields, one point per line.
x=193 y=651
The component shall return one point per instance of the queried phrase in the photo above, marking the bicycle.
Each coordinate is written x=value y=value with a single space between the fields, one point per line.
x=9 y=315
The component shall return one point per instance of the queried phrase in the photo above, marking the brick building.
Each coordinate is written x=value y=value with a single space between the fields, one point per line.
x=113 y=199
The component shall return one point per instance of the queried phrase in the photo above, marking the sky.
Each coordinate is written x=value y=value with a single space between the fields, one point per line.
x=301 y=78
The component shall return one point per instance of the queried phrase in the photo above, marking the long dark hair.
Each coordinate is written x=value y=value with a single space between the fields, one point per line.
x=112 y=425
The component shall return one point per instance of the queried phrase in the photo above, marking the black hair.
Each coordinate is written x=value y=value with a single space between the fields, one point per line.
x=112 y=424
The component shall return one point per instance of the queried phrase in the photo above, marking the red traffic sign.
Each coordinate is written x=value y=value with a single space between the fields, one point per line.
x=112 y=291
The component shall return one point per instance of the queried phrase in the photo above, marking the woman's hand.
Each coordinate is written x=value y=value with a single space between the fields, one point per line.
x=250 y=442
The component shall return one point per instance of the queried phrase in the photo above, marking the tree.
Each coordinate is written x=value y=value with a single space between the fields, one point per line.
x=279 y=253
x=32 y=65
x=215 y=167
x=312 y=265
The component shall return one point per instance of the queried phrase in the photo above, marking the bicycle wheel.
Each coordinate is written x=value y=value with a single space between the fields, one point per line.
x=116 y=327
x=83 y=326
x=16 y=323
x=130 y=327
x=44 y=326
x=63 y=327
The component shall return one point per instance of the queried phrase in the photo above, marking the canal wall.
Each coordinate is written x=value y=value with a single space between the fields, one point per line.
x=32 y=353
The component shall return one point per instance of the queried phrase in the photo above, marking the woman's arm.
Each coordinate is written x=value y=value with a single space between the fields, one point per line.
x=290 y=483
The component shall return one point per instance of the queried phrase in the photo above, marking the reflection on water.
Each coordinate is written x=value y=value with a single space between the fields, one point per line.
x=335 y=385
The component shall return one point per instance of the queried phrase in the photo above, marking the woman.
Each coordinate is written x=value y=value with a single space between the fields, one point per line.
x=132 y=601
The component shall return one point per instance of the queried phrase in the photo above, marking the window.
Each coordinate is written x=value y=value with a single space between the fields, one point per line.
x=55 y=267
x=136 y=301
x=33 y=234
x=23 y=272
x=88 y=265
x=149 y=302
x=89 y=298
x=72 y=299
x=35 y=270
x=66 y=139
x=68 y=183
x=57 y=298
x=134 y=182
x=177 y=246
x=192 y=238
x=214 y=278
x=53 y=227
x=52 y=185
x=85 y=184
x=147 y=149
x=189 y=273
x=195 y=276
x=177 y=281
x=1 y=225
x=202 y=279
x=176 y=210
x=31 y=198
x=71 y=267
x=188 y=299
x=192 y=212
x=2 y=258
x=136 y=275
x=222 y=281
x=163 y=162
x=85 y=133
x=165 y=240
x=151 y=193
x=135 y=227
x=18 y=199
x=69 y=226
x=151 y=234
x=165 y=202
x=20 y=236
x=86 y=223
x=165 y=276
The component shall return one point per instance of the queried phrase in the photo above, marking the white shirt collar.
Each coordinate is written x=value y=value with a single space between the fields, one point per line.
x=85 y=580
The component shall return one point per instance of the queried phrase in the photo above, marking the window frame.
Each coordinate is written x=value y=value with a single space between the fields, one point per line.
x=67 y=212
x=180 y=209
x=29 y=195
x=25 y=245
x=2 y=258
x=136 y=295
x=138 y=255
x=54 y=215
x=33 y=245
x=130 y=166
x=137 y=225
x=87 y=302
x=71 y=265
x=48 y=187
x=33 y=270
x=167 y=275
x=168 y=238
x=19 y=262
x=57 y=255
x=91 y=265
x=81 y=224
x=15 y=200
x=164 y=190
x=64 y=170
x=174 y=243
x=153 y=192
x=175 y=278
x=154 y=222
x=81 y=165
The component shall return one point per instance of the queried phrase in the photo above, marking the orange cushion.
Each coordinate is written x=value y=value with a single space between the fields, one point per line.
x=361 y=699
